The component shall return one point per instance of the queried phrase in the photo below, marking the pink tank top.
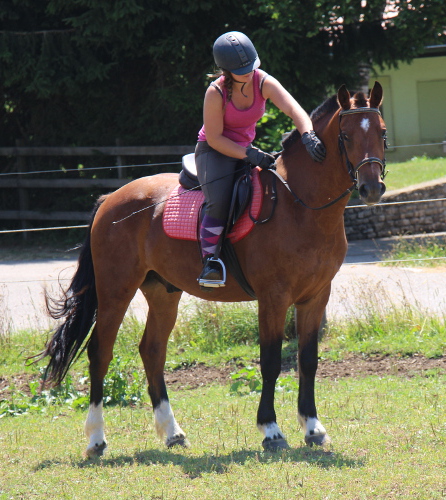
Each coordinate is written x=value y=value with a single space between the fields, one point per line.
x=239 y=125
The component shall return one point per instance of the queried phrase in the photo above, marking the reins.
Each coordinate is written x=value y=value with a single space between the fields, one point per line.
x=296 y=198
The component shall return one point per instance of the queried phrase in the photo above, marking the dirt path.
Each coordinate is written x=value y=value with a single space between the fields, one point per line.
x=355 y=288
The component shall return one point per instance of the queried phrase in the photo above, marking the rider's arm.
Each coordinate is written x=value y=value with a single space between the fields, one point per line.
x=273 y=90
x=213 y=124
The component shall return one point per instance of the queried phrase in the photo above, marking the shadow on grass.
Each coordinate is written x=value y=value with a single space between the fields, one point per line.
x=194 y=467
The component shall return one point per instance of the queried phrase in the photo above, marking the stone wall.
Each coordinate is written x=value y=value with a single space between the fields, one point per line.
x=392 y=220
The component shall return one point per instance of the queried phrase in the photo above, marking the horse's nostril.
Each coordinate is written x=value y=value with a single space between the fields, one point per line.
x=383 y=188
x=363 y=191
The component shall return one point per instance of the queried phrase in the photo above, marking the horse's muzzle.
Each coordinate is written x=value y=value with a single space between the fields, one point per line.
x=371 y=192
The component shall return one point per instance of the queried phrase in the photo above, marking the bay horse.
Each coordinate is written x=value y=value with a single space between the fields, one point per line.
x=289 y=261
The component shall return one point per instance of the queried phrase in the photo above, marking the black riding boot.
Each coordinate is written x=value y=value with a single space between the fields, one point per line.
x=213 y=274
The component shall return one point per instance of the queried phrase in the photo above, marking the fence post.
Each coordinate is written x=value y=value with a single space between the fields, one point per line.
x=23 y=195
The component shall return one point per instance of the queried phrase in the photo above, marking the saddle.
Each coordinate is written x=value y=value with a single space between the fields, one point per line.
x=242 y=190
x=184 y=208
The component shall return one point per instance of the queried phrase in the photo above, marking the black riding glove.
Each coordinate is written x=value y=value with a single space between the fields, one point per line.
x=314 y=145
x=259 y=158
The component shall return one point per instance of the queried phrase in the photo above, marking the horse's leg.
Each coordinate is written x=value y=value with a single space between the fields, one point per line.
x=309 y=318
x=271 y=325
x=100 y=353
x=163 y=309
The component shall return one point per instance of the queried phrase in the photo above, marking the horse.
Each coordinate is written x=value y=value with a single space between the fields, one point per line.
x=291 y=260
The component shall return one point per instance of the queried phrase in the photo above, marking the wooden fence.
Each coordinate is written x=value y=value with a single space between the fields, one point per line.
x=22 y=182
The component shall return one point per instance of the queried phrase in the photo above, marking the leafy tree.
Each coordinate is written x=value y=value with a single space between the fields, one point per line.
x=84 y=72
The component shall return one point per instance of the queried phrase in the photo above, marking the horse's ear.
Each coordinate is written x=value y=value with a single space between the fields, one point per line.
x=376 y=95
x=344 y=97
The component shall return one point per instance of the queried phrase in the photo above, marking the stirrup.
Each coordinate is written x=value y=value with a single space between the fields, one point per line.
x=214 y=283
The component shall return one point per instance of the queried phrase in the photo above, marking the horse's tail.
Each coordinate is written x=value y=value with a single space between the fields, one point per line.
x=78 y=307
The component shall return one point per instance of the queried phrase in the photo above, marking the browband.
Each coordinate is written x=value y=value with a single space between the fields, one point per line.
x=359 y=110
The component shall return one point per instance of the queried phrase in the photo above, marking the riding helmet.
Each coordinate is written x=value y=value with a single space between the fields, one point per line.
x=235 y=52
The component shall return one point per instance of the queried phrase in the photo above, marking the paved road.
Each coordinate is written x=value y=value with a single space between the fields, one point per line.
x=359 y=284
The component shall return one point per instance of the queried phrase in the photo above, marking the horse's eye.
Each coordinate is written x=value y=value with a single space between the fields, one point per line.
x=344 y=136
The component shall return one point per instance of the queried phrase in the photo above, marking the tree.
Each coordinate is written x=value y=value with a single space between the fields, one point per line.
x=85 y=72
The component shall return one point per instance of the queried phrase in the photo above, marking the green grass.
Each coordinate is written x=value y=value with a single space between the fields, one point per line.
x=389 y=437
x=401 y=333
x=419 y=169
x=420 y=252
x=389 y=432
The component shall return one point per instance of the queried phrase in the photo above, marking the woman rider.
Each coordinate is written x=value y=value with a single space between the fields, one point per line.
x=233 y=105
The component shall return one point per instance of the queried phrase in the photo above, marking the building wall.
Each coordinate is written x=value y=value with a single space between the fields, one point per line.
x=414 y=106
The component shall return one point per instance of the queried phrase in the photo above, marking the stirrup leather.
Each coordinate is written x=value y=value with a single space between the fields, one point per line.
x=214 y=283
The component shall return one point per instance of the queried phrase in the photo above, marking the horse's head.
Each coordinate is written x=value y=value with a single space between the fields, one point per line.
x=362 y=140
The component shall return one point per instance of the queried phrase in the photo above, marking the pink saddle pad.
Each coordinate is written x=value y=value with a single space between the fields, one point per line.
x=180 y=218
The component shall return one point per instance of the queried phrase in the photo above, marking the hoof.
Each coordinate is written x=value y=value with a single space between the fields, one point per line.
x=177 y=441
x=97 y=450
x=275 y=444
x=317 y=439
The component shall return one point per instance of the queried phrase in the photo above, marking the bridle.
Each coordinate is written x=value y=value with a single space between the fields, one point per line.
x=353 y=171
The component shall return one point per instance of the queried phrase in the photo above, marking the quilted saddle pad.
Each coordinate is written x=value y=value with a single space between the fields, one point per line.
x=180 y=218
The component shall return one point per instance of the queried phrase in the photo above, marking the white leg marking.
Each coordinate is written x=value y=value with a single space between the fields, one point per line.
x=365 y=124
x=271 y=431
x=311 y=426
x=165 y=423
x=94 y=429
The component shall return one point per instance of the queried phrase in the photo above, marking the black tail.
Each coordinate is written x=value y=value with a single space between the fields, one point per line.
x=78 y=307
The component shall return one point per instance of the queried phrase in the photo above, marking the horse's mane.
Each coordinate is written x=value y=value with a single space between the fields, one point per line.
x=329 y=106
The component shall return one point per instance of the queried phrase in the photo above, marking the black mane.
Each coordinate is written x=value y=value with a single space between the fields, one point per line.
x=329 y=106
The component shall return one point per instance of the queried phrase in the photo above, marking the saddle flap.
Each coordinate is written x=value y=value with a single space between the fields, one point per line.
x=241 y=196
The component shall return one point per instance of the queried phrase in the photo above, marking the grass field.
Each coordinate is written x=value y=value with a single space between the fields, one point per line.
x=388 y=431
x=419 y=169
x=389 y=438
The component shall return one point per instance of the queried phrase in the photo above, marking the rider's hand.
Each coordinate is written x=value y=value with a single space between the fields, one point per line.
x=314 y=145
x=257 y=157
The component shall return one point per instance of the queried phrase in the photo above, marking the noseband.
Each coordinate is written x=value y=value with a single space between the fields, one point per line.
x=353 y=171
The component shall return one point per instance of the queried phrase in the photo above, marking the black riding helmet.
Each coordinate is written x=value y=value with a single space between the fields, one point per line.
x=235 y=52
